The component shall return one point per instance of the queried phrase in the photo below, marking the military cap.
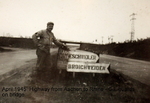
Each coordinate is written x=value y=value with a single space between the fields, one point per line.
x=50 y=23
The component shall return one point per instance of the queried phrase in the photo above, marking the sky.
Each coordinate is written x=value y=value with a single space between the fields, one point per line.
x=76 y=20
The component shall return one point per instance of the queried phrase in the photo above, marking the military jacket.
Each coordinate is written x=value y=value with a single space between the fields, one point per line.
x=45 y=38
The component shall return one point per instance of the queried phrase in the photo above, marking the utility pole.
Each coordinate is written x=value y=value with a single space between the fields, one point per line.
x=102 y=39
x=109 y=40
x=112 y=38
x=132 y=26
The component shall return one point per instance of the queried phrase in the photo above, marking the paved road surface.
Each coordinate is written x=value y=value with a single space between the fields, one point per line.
x=136 y=69
x=13 y=60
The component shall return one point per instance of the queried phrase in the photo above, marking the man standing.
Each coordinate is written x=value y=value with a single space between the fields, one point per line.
x=43 y=40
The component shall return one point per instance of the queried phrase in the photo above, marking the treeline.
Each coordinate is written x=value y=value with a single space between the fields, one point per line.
x=17 y=42
x=137 y=49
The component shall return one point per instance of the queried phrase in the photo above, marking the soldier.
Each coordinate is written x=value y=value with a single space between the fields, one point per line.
x=43 y=40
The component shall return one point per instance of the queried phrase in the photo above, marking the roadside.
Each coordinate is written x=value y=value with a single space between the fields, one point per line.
x=11 y=62
x=135 y=69
x=4 y=50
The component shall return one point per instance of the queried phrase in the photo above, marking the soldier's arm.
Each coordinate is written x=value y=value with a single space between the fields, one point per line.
x=36 y=37
x=58 y=43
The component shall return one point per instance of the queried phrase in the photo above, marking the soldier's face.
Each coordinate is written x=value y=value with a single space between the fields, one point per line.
x=50 y=27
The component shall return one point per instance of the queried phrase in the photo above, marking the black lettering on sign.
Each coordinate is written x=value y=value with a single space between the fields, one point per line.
x=85 y=67
x=77 y=56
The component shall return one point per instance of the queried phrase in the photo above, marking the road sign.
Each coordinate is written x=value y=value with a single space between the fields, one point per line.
x=74 y=56
x=77 y=56
x=87 y=67
x=82 y=56
x=80 y=61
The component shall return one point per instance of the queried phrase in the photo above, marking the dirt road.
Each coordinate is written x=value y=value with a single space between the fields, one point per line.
x=26 y=86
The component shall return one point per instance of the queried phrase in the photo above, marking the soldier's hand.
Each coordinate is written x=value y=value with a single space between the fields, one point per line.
x=65 y=47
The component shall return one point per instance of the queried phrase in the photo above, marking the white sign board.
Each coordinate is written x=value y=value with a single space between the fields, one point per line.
x=74 y=56
x=87 y=67
x=82 y=56
x=78 y=56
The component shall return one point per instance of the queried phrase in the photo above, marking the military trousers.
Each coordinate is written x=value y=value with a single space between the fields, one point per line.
x=43 y=59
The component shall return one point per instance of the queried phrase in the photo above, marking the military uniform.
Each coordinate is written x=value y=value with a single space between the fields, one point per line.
x=43 y=40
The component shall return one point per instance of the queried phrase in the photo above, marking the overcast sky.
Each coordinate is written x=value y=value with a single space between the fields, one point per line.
x=76 y=20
